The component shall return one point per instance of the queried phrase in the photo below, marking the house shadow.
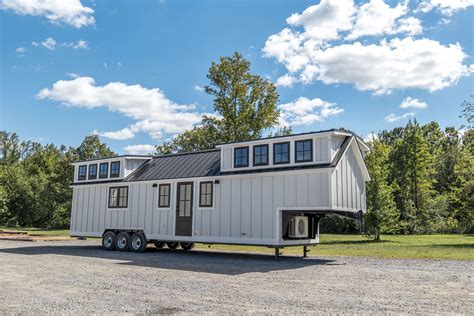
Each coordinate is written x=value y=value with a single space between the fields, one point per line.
x=213 y=262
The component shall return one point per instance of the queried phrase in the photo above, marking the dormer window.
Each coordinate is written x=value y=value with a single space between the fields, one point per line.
x=82 y=172
x=115 y=169
x=304 y=150
x=241 y=157
x=103 y=170
x=92 y=172
x=260 y=155
x=281 y=153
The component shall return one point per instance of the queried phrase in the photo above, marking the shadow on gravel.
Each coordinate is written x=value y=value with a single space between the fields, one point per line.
x=195 y=261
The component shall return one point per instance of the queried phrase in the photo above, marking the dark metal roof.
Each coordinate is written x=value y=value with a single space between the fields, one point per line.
x=114 y=157
x=178 y=166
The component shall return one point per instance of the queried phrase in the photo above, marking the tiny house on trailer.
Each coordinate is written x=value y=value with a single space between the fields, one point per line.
x=268 y=192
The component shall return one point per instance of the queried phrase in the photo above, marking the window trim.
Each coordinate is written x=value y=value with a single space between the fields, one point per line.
x=107 y=171
x=248 y=153
x=111 y=175
x=118 y=197
x=200 y=194
x=274 y=154
x=268 y=155
x=79 y=177
x=311 y=150
x=89 y=172
x=169 y=195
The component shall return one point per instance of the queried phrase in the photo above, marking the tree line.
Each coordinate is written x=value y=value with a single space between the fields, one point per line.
x=422 y=175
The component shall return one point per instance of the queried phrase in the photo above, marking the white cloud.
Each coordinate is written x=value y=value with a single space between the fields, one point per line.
x=371 y=137
x=73 y=75
x=304 y=111
x=198 y=88
x=286 y=80
x=49 y=43
x=413 y=103
x=20 y=50
x=70 y=12
x=392 y=117
x=378 y=18
x=446 y=7
x=80 y=44
x=381 y=66
x=144 y=149
x=325 y=20
x=151 y=110
x=123 y=134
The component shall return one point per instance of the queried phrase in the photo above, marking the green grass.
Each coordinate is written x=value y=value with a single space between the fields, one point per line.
x=39 y=231
x=450 y=247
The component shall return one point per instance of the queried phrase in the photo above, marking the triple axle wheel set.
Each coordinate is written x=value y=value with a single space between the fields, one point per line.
x=136 y=242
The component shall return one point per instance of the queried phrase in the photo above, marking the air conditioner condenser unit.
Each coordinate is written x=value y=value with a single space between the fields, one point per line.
x=298 y=227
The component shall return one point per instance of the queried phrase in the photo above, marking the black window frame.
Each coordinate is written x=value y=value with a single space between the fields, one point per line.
x=112 y=175
x=162 y=185
x=119 y=197
x=89 y=175
x=201 y=203
x=101 y=175
x=267 y=155
x=79 y=176
x=275 y=153
x=311 y=150
x=235 y=156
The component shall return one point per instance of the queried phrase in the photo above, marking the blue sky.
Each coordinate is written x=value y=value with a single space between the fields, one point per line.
x=133 y=71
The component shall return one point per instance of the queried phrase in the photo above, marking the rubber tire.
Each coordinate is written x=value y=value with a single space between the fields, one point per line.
x=126 y=247
x=172 y=245
x=158 y=244
x=109 y=234
x=186 y=245
x=141 y=237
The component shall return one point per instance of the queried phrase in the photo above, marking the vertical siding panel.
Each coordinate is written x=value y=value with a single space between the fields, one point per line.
x=235 y=208
x=149 y=209
x=134 y=204
x=257 y=207
x=290 y=190
x=103 y=205
x=246 y=206
x=85 y=210
x=267 y=207
x=74 y=210
x=92 y=210
x=205 y=223
x=197 y=222
x=224 y=227
x=215 y=214
x=302 y=190
x=95 y=227
x=312 y=191
x=325 y=198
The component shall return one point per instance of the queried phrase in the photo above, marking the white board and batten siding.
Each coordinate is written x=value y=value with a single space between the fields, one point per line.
x=348 y=183
x=244 y=211
x=247 y=207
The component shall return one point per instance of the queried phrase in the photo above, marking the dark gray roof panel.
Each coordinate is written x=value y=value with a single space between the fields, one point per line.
x=178 y=166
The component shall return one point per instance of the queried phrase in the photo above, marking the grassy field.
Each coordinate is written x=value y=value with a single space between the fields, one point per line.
x=455 y=247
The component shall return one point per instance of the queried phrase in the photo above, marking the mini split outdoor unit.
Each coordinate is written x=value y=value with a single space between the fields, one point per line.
x=298 y=227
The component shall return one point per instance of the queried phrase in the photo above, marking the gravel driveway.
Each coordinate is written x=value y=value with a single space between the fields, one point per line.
x=79 y=277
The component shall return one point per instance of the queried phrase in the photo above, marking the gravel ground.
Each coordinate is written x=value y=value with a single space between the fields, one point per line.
x=79 y=277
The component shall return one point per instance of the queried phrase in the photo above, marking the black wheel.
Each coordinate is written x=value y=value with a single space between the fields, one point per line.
x=172 y=245
x=122 y=242
x=138 y=242
x=158 y=244
x=187 y=245
x=108 y=241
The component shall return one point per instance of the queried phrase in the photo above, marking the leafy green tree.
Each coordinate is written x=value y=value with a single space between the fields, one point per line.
x=382 y=215
x=245 y=104
x=92 y=148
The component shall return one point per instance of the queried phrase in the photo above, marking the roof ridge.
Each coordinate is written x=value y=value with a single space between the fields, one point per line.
x=187 y=153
